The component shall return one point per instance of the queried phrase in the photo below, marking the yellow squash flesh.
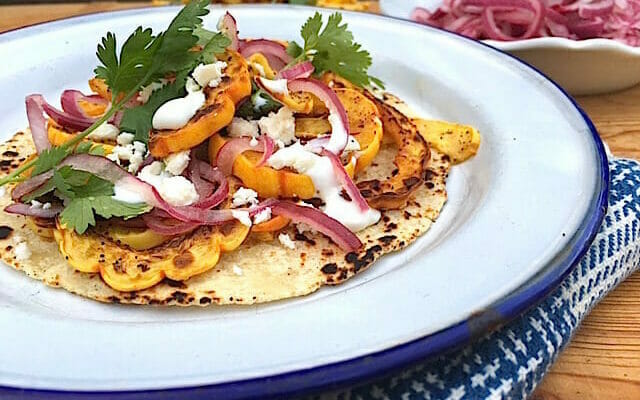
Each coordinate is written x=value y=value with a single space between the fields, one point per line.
x=126 y=269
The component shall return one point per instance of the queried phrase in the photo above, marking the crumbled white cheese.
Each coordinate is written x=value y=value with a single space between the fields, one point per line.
x=279 y=126
x=237 y=270
x=3 y=191
x=277 y=86
x=280 y=144
x=242 y=216
x=253 y=142
x=209 y=74
x=139 y=147
x=241 y=127
x=305 y=204
x=134 y=153
x=176 y=113
x=262 y=216
x=125 y=138
x=38 y=205
x=352 y=144
x=176 y=190
x=244 y=196
x=294 y=156
x=22 y=250
x=106 y=131
x=176 y=163
x=145 y=93
x=286 y=241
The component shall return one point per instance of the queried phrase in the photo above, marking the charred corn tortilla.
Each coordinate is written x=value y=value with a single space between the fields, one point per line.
x=265 y=270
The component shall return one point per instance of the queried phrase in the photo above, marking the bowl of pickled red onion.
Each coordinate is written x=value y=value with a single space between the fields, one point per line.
x=587 y=46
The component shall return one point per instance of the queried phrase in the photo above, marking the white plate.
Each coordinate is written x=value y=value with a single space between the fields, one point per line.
x=518 y=217
x=582 y=67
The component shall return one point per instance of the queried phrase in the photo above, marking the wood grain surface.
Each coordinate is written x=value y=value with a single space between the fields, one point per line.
x=603 y=359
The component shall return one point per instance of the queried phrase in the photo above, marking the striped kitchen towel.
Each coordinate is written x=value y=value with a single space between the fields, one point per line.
x=510 y=362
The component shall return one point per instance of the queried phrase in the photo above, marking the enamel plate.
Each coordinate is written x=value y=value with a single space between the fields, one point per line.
x=519 y=216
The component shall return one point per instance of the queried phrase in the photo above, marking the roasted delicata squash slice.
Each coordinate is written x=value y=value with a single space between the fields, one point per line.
x=459 y=142
x=99 y=86
x=126 y=269
x=216 y=113
x=411 y=161
x=268 y=182
x=58 y=136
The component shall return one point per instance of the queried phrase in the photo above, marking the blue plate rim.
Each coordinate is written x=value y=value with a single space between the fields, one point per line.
x=364 y=368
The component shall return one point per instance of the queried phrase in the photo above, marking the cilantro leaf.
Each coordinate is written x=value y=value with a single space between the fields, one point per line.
x=216 y=45
x=332 y=49
x=49 y=158
x=107 y=207
x=258 y=105
x=79 y=213
x=63 y=188
x=174 y=52
x=138 y=120
x=41 y=191
x=136 y=58
x=294 y=49
x=83 y=147
x=145 y=58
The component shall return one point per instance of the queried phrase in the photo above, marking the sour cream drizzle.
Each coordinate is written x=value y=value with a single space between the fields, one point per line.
x=320 y=170
x=176 y=113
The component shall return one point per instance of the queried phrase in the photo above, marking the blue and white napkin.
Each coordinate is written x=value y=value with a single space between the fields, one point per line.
x=509 y=363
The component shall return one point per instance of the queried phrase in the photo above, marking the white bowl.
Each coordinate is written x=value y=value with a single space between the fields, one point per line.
x=581 y=67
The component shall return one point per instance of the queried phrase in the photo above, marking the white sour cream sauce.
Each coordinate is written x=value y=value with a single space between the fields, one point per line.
x=174 y=114
x=320 y=170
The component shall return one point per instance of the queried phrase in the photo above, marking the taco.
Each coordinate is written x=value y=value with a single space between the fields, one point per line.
x=206 y=169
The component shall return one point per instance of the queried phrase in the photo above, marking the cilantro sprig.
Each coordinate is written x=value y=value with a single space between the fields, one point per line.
x=333 y=48
x=143 y=59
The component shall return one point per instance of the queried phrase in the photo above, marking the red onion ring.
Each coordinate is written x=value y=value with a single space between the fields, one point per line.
x=67 y=120
x=345 y=181
x=26 y=209
x=201 y=169
x=69 y=100
x=339 y=134
x=275 y=53
x=160 y=222
x=521 y=19
x=297 y=71
x=30 y=185
x=228 y=26
x=236 y=146
x=317 y=220
x=37 y=122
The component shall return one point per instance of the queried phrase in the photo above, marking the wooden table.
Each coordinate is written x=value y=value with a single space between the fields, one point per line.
x=603 y=359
